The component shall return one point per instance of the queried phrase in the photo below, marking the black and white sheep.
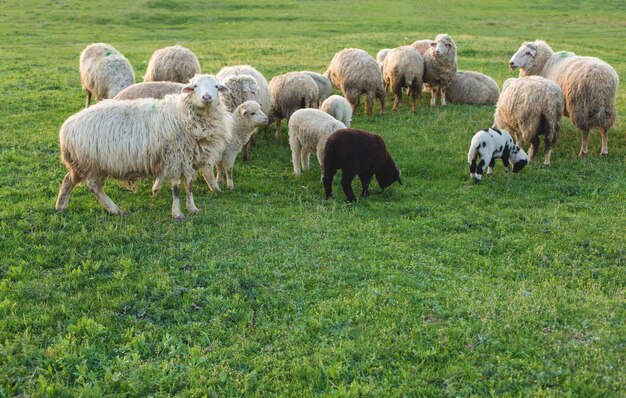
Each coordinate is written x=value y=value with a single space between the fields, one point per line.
x=491 y=144
x=357 y=152
x=529 y=107
x=355 y=72
x=156 y=90
x=404 y=67
x=339 y=108
x=145 y=138
x=104 y=72
x=308 y=131
x=589 y=86
x=172 y=64
x=473 y=88
x=291 y=91
x=439 y=65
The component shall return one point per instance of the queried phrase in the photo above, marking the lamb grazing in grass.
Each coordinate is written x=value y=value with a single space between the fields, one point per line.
x=473 y=88
x=156 y=90
x=241 y=88
x=172 y=64
x=439 y=65
x=263 y=93
x=246 y=118
x=308 y=131
x=104 y=72
x=339 y=108
x=290 y=92
x=357 y=152
x=589 y=86
x=381 y=55
x=355 y=72
x=404 y=67
x=145 y=138
x=491 y=144
x=529 y=107
x=324 y=87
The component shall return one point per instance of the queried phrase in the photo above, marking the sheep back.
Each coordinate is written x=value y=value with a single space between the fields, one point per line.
x=156 y=90
x=311 y=127
x=403 y=67
x=263 y=94
x=473 y=88
x=241 y=88
x=324 y=87
x=290 y=92
x=104 y=71
x=174 y=64
x=339 y=108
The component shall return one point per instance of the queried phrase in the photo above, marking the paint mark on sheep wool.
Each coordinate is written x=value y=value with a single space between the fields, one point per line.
x=107 y=52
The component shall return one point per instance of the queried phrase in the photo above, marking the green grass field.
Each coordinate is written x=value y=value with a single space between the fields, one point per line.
x=434 y=288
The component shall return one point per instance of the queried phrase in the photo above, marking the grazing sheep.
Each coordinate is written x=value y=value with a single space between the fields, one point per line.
x=172 y=64
x=290 y=92
x=355 y=72
x=104 y=72
x=263 y=93
x=529 y=107
x=324 y=87
x=143 y=138
x=156 y=90
x=241 y=88
x=357 y=152
x=246 y=117
x=381 y=55
x=439 y=65
x=589 y=86
x=473 y=88
x=339 y=108
x=308 y=131
x=404 y=67
x=491 y=144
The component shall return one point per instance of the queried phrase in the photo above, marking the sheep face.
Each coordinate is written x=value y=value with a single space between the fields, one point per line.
x=205 y=90
x=519 y=158
x=252 y=111
x=388 y=174
x=442 y=46
x=524 y=58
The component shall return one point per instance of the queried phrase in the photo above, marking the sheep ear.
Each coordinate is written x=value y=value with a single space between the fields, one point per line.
x=187 y=88
x=433 y=44
x=223 y=89
x=243 y=111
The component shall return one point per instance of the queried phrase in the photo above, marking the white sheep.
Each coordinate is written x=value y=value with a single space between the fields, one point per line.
x=473 y=88
x=104 y=72
x=381 y=55
x=172 y=64
x=308 y=131
x=290 y=92
x=263 y=93
x=404 y=67
x=529 y=107
x=156 y=90
x=491 y=144
x=246 y=117
x=589 y=86
x=439 y=65
x=144 y=138
x=355 y=72
x=324 y=87
x=339 y=108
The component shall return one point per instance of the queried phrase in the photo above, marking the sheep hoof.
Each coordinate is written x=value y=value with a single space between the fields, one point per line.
x=477 y=181
x=178 y=217
x=582 y=154
x=193 y=210
x=604 y=154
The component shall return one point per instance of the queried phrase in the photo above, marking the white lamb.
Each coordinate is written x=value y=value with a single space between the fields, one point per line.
x=308 y=131
x=145 y=138
x=339 y=108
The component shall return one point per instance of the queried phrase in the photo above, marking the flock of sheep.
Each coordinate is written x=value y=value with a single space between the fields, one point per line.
x=178 y=121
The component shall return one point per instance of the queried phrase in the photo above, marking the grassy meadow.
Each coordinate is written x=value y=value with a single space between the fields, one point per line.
x=435 y=288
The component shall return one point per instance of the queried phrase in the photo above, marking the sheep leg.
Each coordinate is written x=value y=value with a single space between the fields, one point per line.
x=278 y=133
x=382 y=97
x=68 y=184
x=220 y=173
x=584 y=148
x=177 y=214
x=207 y=173
x=369 y=103
x=320 y=156
x=415 y=94
x=473 y=168
x=490 y=168
x=327 y=179
x=605 y=142
x=397 y=92
x=353 y=98
x=305 y=156
x=95 y=186
x=548 y=152
x=534 y=146
x=505 y=161
x=227 y=163
x=295 y=154
x=442 y=95
x=87 y=98
x=480 y=168
x=433 y=96
x=156 y=187
x=244 y=152
x=346 y=184
x=191 y=206
x=365 y=183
